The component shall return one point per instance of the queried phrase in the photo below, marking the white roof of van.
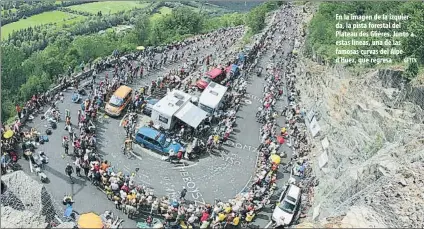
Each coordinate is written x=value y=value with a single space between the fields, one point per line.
x=212 y=95
x=172 y=102
x=294 y=191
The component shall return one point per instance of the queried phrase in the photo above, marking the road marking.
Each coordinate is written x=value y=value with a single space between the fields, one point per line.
x=187 y=166
x=239 y=145
x=247 y=101
x=122 y=120
x=136 y=156
x=191 y=186
x=269 y=224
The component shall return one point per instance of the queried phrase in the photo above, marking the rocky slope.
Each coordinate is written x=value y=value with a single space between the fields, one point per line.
x=371 y=171
x=25 y=203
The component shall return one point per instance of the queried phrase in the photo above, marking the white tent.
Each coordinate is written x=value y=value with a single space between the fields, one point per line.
x=191 y=114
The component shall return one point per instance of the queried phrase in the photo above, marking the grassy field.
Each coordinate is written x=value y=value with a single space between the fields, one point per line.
x=163 y=11
x=106 y=7
x=57 y=17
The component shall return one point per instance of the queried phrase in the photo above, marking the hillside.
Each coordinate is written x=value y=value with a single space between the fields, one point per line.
x=368 y=156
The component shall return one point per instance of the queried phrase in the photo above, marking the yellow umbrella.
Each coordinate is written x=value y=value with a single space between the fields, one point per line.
x=90 y=220
x=140 y=48
x=8 y=134
x=275 y=158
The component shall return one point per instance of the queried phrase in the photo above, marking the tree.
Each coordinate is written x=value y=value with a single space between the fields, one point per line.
x=7 y=106
x=11 y=62
x=414 y=45
x=142 y=28
x=34 y=85
x=186 y=21
x=411 y=71
x=255 y=19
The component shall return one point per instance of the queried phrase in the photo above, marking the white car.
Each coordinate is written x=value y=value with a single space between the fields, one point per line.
x=287 y=206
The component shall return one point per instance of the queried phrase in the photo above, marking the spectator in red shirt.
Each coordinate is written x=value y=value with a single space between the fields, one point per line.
x=205 y=216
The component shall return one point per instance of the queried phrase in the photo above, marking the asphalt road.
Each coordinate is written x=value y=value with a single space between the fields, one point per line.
x=255 y=91
x=219 y=176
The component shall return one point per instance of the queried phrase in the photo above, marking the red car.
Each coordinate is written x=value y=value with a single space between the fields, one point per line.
x=215 y=75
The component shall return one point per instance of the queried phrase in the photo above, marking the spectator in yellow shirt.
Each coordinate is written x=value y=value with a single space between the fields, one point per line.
x=249 y=216
x=131 y=196
x=221 y=217
x=236 y=220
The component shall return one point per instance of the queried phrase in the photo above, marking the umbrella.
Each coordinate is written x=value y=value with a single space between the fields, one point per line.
x=140 y=48
x=280 y=139
x=8 y=134
x=90 y=220
x=275 y=158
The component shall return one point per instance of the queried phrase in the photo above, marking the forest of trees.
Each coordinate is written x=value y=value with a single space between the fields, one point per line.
x=26 y=71
x=322 y=38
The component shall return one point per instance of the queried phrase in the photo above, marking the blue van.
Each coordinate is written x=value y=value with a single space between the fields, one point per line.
x=153 y=139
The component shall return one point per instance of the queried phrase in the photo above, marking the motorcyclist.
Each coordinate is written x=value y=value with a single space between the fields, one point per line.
x=43 y=157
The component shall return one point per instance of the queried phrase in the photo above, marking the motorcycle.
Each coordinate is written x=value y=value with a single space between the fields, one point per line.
x=195 y=149
x=40 y=173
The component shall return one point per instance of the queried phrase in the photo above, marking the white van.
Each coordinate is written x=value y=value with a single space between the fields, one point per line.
x=211 y=98
x=287 y=206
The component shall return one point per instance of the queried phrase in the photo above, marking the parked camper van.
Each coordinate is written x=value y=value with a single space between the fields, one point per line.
x=212 y=97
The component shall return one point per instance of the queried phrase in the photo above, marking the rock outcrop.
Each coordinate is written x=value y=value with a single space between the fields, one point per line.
x=25 y=203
